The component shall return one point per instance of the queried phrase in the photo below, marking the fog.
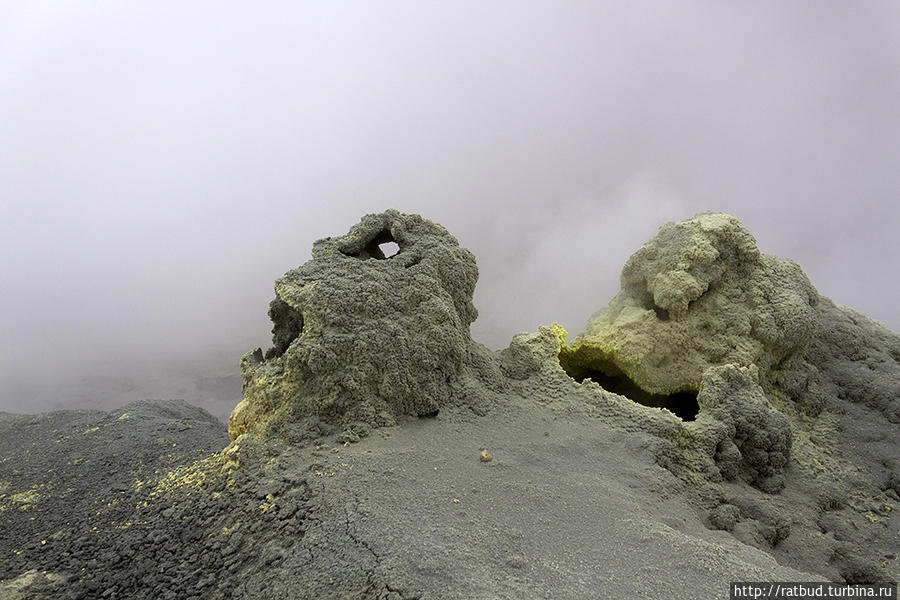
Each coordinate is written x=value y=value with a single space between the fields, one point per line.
x=162 y=163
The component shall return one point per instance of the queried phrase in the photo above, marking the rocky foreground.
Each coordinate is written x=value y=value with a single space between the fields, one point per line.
x=717 y=421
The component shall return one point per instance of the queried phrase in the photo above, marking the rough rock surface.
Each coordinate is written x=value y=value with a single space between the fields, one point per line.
x=754 y=439
x=699 y=294
x=360 y=338
x=698 y=298
x=408 y=513
x=857 y=359
x=71 y=483
x=695 y=434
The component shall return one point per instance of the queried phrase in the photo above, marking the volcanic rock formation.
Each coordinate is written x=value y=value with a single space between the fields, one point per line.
x=704 y=323
x=696 y=295
x=717 y=421
x=360 y=338
x=705 y=326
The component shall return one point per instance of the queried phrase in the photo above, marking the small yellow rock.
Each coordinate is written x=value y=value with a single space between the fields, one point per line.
x=485 y=456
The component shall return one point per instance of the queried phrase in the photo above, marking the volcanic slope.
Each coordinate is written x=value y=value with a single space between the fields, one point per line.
x=718 y=421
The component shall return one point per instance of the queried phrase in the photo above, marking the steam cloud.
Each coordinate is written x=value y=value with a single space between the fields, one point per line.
x=160 y=165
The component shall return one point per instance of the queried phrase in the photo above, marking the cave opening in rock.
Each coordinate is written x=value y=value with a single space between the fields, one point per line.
x=683 y=404
x=389 y=249
x=648 y=302
x=380 y=245
x=287 y=325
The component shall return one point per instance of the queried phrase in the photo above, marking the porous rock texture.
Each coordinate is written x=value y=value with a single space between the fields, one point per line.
x=789 y=386
x=699 y=306
x=718 y=421
x=698 y=294
x=854 y=358
x=752 y=440
x=360 y=338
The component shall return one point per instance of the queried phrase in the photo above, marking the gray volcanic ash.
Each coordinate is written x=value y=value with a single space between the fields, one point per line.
x=717 y=421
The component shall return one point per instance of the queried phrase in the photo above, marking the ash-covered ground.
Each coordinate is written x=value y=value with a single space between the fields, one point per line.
x=717 y=421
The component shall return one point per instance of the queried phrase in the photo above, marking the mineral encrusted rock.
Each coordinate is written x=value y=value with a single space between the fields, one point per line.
x=852 y=357
x=698 y=294
x=735 y=344
x=360 y=338
x=717 y=363
x=752 y=439
x=529 y=353
x=703 y=313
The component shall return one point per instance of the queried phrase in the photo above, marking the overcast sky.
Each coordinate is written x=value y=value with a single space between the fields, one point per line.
x=162 y=163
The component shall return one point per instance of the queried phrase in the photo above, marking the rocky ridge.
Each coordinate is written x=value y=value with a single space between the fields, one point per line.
x=753 y=421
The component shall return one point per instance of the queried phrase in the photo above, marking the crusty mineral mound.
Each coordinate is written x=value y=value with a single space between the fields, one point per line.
x=711 y=329
x=857 y=358
x=697 y=295
x=752 y=439
x=360 y=336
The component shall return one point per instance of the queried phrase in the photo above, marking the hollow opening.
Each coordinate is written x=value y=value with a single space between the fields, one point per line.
x=648 y=303
x=683 y=404
x=389 y=249
x=661 y=313
x=645 y=298
x=287 y=325
x=382 y=246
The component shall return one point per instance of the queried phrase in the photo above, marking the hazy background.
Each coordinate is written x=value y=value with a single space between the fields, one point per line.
x=162 y=163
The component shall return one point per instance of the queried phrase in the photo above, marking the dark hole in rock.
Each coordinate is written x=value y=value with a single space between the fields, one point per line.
x=381 y=246
x=683 y=404
x=648 y=303
x=389 y=249
x=430 y=415
x=661 y=313
x=287 y=325
x=374 y=248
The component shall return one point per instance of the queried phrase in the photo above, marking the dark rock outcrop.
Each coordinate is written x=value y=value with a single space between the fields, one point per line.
x=360 y=338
